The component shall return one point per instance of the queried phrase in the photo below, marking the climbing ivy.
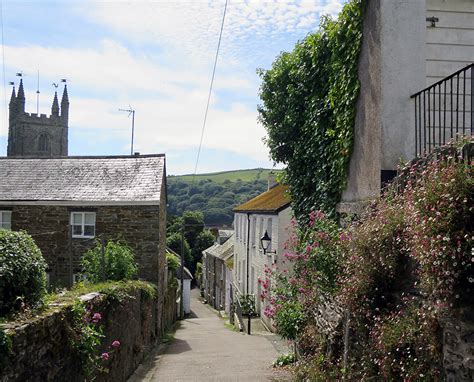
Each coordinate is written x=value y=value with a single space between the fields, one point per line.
x=309 y=98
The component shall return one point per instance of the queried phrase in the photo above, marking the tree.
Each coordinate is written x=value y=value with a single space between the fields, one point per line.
x=204 y=240
x=194 y=224
x=173 y=241
x=308 y=109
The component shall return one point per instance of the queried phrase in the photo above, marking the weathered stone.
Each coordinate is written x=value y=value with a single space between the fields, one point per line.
x=42 y=350
x=50 y=228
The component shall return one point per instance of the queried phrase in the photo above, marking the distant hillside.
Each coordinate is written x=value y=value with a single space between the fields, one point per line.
x=215 y=194
x=220 y=177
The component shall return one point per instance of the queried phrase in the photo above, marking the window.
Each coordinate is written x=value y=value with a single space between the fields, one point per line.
x=237 y=226
x=261 y=232
x=253 y=226
x=83 y=224
x=6 y=220
x=270 y=233
x=43 y=143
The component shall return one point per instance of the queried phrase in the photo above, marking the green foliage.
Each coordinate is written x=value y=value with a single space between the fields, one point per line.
x=5 y=347
x=308 y=109
x=22 y=271
x=172 y=261
x=247 y=302
x=216 y=196
x=290 y=319
x=117 y=263
x=199 y=272
x=405 y=263
x=173 y=241
x=285 y=359
x=197 y=238
x=86 y=334
x=204 y=240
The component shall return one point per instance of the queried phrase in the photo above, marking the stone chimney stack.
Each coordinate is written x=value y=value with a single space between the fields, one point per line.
x=272 y=182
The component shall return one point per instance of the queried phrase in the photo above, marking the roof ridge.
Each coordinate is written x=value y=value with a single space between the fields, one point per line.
x=87 y=157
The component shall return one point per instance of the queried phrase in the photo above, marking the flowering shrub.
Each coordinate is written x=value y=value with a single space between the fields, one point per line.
x=314 y=252
x=405 y=346
x=86 y=336
x=407 y=260
x=373 y=258
x=440 y=215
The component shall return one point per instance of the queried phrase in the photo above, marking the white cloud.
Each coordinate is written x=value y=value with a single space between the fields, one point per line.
x=191 y=29
x=158 y=56
x=169 y=103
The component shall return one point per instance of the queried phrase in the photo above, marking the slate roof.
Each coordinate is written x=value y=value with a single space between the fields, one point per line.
x=113 y=179
x=273 y=200
x=222 y=251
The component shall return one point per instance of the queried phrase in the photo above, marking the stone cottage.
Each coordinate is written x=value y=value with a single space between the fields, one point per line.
x=67 y=204
x=217 y=263
x=269 y=212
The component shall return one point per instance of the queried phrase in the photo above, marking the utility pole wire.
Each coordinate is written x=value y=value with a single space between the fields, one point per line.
x=210 y=91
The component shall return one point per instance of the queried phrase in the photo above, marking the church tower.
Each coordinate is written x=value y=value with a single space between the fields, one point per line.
x=32 y=135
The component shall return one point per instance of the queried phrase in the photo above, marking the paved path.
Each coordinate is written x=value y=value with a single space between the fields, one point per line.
x=206 y=350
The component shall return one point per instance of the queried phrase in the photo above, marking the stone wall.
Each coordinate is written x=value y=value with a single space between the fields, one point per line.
x=142 y=227
x=42 y=351
x=458 y=345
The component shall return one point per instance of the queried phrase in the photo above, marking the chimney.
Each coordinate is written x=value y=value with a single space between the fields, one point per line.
x=272 y=182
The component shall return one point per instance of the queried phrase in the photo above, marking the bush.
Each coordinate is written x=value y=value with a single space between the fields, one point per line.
x=118 y=262
x=22 y=271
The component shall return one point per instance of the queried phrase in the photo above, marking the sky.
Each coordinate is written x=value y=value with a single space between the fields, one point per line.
x=157 y=58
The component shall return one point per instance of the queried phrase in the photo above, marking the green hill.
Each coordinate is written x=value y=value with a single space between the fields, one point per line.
x=233 y=176
x=215 y=194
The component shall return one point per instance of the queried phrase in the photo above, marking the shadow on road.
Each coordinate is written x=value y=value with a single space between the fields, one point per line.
x=178 y=346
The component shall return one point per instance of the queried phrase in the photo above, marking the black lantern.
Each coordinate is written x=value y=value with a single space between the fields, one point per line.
x=265 y=242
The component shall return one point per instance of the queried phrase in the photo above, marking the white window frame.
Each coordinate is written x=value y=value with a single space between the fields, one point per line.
x=83 y=216
x=2 y=223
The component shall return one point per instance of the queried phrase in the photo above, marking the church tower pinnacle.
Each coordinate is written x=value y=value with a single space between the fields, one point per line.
x=33 y=135
x=55 y=107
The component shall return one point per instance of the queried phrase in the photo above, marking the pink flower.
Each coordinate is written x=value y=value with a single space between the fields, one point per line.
x=105 y=356
x=96 y=318
x=116 y=344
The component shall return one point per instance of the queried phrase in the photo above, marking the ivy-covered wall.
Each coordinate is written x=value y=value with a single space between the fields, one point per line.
x=309 y=106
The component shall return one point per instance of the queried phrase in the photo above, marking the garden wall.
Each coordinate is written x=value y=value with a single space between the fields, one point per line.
x=42 y=349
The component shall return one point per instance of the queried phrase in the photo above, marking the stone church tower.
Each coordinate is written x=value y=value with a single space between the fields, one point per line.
x=31 y=135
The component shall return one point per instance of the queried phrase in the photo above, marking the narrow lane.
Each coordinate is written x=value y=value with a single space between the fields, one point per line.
x=205 y=350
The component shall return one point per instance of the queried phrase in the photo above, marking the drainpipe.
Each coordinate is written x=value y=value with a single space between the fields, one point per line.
x=248 y=266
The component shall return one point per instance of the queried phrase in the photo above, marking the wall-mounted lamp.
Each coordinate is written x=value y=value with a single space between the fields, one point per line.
x=265 y=243
x=433 y=20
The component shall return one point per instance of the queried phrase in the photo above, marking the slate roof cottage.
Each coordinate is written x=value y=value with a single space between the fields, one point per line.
x=270 y=212
x=217 y=274
x=66 y=203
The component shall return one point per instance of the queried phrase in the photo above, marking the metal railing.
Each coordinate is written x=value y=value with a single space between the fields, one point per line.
x=444 y=111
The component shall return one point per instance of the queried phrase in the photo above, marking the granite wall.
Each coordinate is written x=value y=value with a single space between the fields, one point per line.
x=42 y=351
x=142 y=227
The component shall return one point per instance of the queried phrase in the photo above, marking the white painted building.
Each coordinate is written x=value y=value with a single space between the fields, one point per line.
x=407 y=46
x=269 y=212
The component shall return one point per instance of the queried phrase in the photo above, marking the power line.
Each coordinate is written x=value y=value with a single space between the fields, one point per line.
x=210 y=91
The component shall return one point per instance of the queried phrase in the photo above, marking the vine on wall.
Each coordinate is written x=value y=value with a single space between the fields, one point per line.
x=309 y=98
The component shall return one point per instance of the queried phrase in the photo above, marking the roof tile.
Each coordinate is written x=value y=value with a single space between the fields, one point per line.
x=95 y=179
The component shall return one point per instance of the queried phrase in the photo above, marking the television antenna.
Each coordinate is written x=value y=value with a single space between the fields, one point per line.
x=131 y=112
